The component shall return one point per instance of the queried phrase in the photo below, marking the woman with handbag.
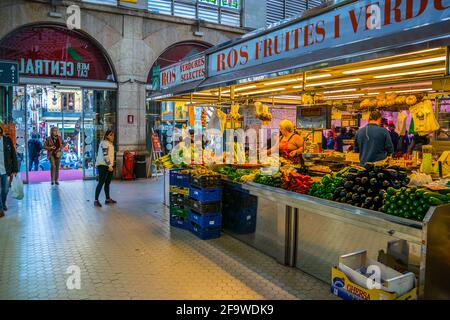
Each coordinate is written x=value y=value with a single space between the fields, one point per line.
x=54 y=145
x=105 y=167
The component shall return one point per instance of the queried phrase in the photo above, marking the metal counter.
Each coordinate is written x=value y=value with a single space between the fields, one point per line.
x=317 y=231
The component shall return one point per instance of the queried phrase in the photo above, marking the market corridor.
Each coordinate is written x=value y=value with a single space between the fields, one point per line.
x=129 y=252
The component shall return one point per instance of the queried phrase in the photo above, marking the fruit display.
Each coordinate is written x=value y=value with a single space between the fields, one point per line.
x=325 y=188
x=296 y=182
x=307 y=99
x=383 y=100
x=365 y=187
x=412 y=203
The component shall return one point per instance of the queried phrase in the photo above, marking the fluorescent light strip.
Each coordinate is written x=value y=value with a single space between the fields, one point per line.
x=239 y=89
x=408 y=73
x=406 y=85
x=289 y=97
x=282 y=81
x=329 y=82
x=412 y=90
x=343 y=90
x=318 y=76
x=203 y=93
x=373 y=93
x=397 y=65
x=262 y=91
x=356 y=95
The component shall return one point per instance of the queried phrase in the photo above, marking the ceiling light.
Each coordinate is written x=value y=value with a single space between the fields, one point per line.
x=343 y=90
x=397 y=65
x=405 y=85
x=329 y=82
x=263 y=91
x=408 y=73
x=413 y=90
x=345 y=96
x=203 y=93
x=239 y=89
x=282 y=81
x=318 y=76
x=289 y=97
x=373 y=93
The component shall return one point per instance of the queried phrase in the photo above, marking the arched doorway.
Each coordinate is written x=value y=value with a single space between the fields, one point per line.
x=157 y=122
x=66 y=81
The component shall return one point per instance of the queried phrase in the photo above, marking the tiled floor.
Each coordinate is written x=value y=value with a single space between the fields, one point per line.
x=128 y=251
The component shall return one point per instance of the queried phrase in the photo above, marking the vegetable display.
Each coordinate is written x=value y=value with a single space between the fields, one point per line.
x=412 y=203
x=326 y=187
x=236 y=174
x=294 y=181
x=365 y=186
x=273 y=181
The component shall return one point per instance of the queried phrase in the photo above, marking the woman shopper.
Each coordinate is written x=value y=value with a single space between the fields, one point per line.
x=105 y=166
x=54 y=145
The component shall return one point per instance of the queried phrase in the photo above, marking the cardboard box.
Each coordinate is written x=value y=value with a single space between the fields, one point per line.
x=357 y=266
x=344 y=288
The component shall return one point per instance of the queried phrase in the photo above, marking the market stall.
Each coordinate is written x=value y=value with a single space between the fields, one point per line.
x=324 y=201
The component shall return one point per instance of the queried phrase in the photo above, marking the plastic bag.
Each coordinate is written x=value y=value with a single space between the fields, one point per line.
x=17 y=188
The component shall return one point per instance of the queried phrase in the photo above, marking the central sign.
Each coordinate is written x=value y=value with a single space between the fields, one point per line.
x=183 y=72
x=9 y=73
x=357 y=21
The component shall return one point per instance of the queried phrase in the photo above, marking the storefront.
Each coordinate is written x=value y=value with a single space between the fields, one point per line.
x=67 y=82
x=325 y=72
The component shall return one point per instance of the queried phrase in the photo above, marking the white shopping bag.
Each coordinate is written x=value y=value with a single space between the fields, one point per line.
x=17 y=188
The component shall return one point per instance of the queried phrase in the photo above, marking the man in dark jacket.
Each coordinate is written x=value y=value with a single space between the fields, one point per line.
x=34 y=151
x=373 y=142
x=8 y=167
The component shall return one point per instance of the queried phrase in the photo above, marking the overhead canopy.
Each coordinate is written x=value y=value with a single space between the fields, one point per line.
x=174 y=91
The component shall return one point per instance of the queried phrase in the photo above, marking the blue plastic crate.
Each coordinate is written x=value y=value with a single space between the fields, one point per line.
x=179 y=179
x=206 y=195
x=207 y=220
x=179 y=222
x=205 y=233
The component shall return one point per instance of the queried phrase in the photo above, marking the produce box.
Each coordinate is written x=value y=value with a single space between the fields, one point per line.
x=183 y=213
x=179 y=190
x=177 y=200
x=346 y=289
x=179 y=178
x=206 y=195
x=204 y=207
x=357 y=267
x=205 y=233
x=180 y=222
x=206 y=181
x=208 y=220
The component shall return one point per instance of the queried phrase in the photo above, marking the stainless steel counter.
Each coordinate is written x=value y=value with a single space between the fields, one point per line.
x=318 y=231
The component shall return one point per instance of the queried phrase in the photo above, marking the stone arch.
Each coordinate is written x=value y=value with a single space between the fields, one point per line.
x=55 y=25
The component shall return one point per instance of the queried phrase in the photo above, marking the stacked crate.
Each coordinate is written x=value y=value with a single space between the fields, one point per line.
x=205 y=202
x=178 y=196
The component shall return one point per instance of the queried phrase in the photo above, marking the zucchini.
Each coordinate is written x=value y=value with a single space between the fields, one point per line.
x=435 y=201
x=436 y=195
x=445 y=191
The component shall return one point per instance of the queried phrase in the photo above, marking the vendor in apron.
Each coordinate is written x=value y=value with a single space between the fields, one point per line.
x=290 y=143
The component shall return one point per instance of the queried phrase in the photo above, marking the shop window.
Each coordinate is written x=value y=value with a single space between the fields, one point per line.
x=68 y=102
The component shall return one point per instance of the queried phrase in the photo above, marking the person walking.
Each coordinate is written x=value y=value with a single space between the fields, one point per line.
x=34 y=151
x=54 y=145
x=105 y=166
x=8 y=168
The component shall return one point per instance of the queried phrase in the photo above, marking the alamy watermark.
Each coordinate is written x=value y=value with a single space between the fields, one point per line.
x=73 y=17
x=74 y=280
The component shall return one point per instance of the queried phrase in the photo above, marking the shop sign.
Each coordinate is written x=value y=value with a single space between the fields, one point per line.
x=8 y=73
x=55 y=52
x=183 y=72
x=355 y=22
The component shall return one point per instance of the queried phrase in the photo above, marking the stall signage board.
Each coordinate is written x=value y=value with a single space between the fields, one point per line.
x=9 y=73
x=313 y=117
x=182 y=72
x=355 y=22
